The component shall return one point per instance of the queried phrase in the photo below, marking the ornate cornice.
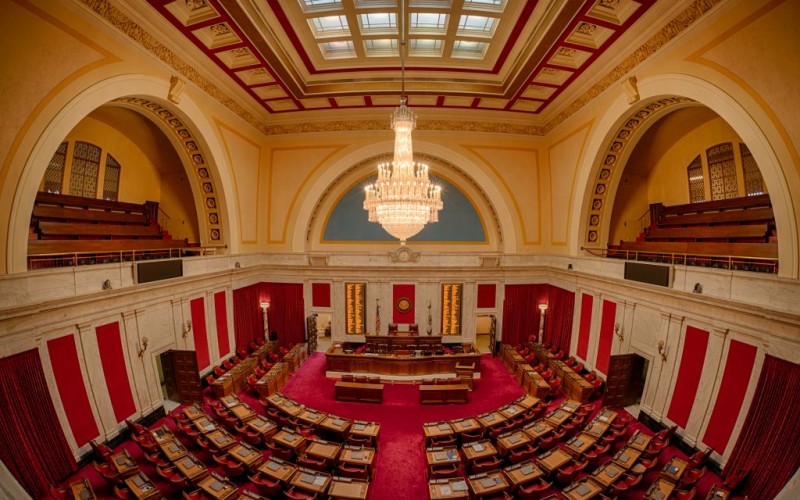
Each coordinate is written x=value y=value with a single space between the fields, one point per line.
x=119 y=20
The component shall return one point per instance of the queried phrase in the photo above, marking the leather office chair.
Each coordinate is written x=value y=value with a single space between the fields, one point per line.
x=685 y=494
x=665 y=434
x=193 y=495
x=534 y=490
x=297 y=494
x=735 y=479
x=218 y=371
x=570 y=361
x=444 y=471
x=521 y=455
x=485 y=465
x=60 y=493
x=392 y=328
x=314 y=463
x=279 y=451
x=227 y=364
x=566 y=474
x=590 y=376
x=210 y=379
x=413 y=328
x=690 y=477
x=233 y=469
x=618 y=489
x=354 y=471
x=102 y=451
x=699 y=459
x=266 y=485
x=122 y=492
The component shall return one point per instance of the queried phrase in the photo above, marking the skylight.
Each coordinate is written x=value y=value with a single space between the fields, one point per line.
x=383 y=22
x=469 y=49
x=476 y=25
x=338 y=50
x=317 y=5
x=425 y=47
x=382 y=47
x=428 y=22
x=329 y=26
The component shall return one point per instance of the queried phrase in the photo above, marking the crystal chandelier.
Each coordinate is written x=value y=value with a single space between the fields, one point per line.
x=403 y=199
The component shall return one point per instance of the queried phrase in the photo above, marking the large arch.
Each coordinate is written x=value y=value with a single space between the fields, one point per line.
x=77 y=108
x=754 y=133
x=323 y=183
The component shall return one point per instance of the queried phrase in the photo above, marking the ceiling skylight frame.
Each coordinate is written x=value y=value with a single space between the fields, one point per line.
x=377 y=47
x=439 y=27
x=378 y=23
x=324 y=27
x=469 y=49
x=474 y=25
x=312 y=6
x=430 y=47
x=338 y=49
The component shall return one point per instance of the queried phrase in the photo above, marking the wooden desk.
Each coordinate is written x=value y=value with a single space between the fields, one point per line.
x=284 y=404
x=337 y=425
x=528 y=402
x=608 y=473
x=347 y=488
x=442 y=456
x=311 y=417
x=323 y=449
x=292 y=440
x=358 y=456
x=162 y=434
x=487 y=483
x=243 y=412
x=596 y=428
x=491 y=419
x=579 y=444
x=191 y=468
x=462 y=425
x=235 y=379
x=553 y=460
x=479 y=449
x=443 y=394
x=217 y=487
x=352 y=391
x=193 y=412
x=661 y=489
x=230 y=401
x=173 y=450
x=220 y=440
x=582 y=490
x=365 y=429
x=674 y=469
x=639 y=441
x=570 y=405
x=558 y=417
x=310 y=480
x=246 y=455
x=277 y=469
x=204 y=424
x=388 y=364
x=606 y=416
x=510 y=441
x=511 y=411
x=446 y=489
x=627 y=456
x=717 y=493
x=538 y=429
x=263 y=426
x=141 y=487
x=572 y=384
x=523 y=473
x=436 y=430
x=123 y=464
x=82 y=490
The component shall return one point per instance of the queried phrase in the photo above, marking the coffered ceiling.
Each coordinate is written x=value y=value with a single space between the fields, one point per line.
x=517 y=56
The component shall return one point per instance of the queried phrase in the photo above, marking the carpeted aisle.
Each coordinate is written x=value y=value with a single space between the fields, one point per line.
x=401 y=460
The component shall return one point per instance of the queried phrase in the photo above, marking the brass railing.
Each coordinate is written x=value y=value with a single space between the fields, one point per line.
x=71 y=259
x=731 y=262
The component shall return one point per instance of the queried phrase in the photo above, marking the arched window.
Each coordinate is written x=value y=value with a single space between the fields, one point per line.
x=697 y=188
x=722 y=171
x=85 y=168
x=82 y=169
x=753 y=182
x=54 y=175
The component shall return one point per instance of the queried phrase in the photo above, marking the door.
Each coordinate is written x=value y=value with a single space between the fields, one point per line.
x=169 y=388
x=187 y=377
x=625 y=381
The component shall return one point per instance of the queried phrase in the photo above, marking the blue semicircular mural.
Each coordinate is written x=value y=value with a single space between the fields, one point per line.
x=458 y=220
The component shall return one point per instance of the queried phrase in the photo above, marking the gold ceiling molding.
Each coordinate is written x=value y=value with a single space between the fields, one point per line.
x=672 y=29
x=116 y=18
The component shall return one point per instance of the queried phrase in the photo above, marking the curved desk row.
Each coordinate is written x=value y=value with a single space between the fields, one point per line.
x=404 y=365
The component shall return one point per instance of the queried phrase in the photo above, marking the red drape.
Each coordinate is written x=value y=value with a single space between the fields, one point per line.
x=247 y=320
x=286 y=313
x=769 y=445
x=521 y=314
x=32 y=443
x=558 y=321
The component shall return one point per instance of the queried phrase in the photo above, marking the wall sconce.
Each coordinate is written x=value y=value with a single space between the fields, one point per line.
x=619 y=332
x=187 y=327
x=107 y=285
x=698 y=288
x=543 y=311
x=265 y=317
x=264 y=305
x=142 y=346
x=662 y=350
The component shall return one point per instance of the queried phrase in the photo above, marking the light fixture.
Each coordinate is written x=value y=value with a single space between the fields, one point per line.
x=265 y=317
x=618 y=332
x=543 y=311
x=187 y=327
x=403 y=199
x=264 y=305
x=143 y=346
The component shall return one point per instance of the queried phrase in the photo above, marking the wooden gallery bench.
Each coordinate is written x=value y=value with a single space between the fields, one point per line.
x=354 y=391
x=439 y=394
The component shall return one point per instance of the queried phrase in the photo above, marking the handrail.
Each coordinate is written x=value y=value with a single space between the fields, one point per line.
x=64 y=259
x=732 y=262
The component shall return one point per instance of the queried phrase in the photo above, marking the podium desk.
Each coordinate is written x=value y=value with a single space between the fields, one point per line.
x=538 y=429
x=439 y=394
x=448 y=489
x=523 y=473
x=347 y=488
x=142 y=487
x=606 y=416
x=218 y=488
x=173 y=450
x=220 y=440
x=487 y=483
x=124 y=464
x=278 y=469
x=263 y=426
x=511 y=441
x=478 y=449
x=554 y=459
x=608 y=474
x=230 y=401
x=204 y=424
x=284 y=404
x=582 y=490
x=354 y=391
x=162 y=434
x=191 y=468
x=310 y=480
x=579 y=444
x=627 y=456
